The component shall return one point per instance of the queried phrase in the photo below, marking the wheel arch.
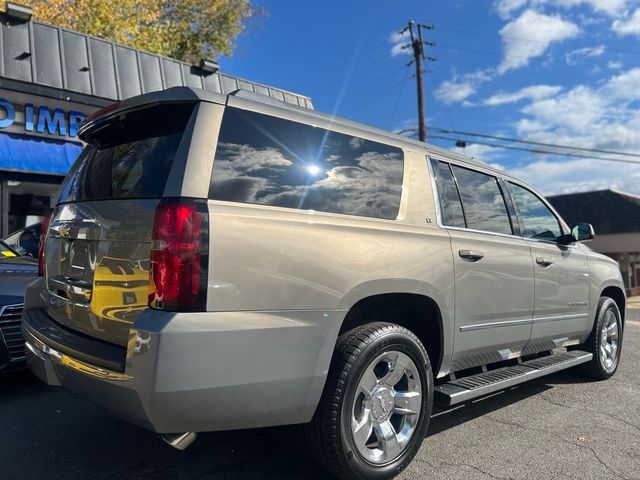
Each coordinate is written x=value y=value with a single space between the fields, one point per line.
x=618 y=296
x=415 y=310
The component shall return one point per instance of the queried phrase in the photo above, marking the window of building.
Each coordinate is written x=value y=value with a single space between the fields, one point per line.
x=450 y=206
x=482 y=201
x=265 y=160
x=539 y=221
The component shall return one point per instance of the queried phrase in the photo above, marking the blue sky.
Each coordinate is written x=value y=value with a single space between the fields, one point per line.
x=555 y=71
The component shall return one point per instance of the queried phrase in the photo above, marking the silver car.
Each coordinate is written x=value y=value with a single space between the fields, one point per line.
x=225 y=262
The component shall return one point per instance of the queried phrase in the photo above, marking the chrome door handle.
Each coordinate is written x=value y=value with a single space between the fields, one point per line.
x=471 y=255
x=543 y=262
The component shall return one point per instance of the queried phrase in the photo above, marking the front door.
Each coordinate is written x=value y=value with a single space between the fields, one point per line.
x=561 y=309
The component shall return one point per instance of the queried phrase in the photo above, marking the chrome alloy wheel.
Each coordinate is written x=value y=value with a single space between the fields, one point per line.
x=609 y=341
x=386 y=407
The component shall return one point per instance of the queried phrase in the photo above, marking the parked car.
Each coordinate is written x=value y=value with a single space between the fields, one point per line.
x=304 y=269
x=26 y=240
x=16 y=272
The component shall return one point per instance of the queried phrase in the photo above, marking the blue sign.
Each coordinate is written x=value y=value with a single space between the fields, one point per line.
x=56 y=122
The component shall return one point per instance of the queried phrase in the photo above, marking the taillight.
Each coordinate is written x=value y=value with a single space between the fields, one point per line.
x=44 y=228
x=179 y=256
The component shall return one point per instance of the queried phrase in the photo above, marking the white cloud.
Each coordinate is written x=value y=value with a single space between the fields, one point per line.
x=530 y=35
x=614 y=65
x=610 y=7
x=399 y=43
x=575 y=175
x=576 y=109
x=625 y=86
x=603 y=117
x=629 y=25
x=481 y=152
x=453 y=92
x=575 y=56
x=533 y=92
x=506 y=8
x=462 y=87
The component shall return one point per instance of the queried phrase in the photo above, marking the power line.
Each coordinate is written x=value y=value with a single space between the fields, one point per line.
x=342 y=64
x=441 y=105
x=376 y=80
x=378 y=95
x=519 y=73
x=357 y=69
x=531 y=142
x=538 y=151
x=524 y=39
x=395 y=106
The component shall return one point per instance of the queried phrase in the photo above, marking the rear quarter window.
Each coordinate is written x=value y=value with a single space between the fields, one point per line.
x=266 y=160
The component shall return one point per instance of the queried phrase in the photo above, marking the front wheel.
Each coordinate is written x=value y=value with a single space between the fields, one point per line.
x=605 y=341
x=376 y=405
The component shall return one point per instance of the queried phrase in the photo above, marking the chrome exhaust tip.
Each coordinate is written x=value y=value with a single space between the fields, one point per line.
x=179 y=441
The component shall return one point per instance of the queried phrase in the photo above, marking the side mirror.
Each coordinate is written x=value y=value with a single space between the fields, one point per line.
x=583 y=232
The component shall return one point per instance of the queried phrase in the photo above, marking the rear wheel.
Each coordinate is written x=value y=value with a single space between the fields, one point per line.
x=605 y=341
x=376 y=405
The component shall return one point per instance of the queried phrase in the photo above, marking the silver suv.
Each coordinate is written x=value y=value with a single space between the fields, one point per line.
x=224 y=262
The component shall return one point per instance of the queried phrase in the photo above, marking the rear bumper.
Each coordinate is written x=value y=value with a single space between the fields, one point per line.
x=203 y=371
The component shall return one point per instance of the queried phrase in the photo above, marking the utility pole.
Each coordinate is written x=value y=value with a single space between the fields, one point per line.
x=417 y=44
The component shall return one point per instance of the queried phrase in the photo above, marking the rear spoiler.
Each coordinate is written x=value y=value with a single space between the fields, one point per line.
x=171 y=95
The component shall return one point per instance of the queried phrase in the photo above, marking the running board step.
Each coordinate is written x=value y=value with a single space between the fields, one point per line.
x=466 y=388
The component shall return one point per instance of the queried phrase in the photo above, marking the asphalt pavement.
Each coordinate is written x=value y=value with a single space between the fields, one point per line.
x=560 y=426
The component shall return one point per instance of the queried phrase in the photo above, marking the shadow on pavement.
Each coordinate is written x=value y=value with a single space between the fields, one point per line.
x=48 y=433
x=444 y=418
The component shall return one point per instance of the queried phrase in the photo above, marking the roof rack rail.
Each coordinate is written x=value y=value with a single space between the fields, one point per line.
x=264 y=97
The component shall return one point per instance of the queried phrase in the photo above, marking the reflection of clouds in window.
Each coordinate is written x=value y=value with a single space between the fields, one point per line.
x=484 y=207
x=359 y=190
x=448 y=195
x=370 y=188
x=539 y=221
x=242 y=172
x=270 y=161
x=356 y=143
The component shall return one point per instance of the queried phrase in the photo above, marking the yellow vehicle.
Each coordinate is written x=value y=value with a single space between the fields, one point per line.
x=119 y=282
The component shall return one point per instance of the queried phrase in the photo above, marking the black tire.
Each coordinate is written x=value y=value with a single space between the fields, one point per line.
x=329 y=437
x=598 y=368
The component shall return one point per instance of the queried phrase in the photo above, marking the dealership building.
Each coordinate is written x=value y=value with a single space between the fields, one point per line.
x=50 y=80
x=615 y=217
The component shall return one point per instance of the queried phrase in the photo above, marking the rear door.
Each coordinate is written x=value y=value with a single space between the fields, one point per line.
x=561 y=275
x=98 y=243
x=493 y=268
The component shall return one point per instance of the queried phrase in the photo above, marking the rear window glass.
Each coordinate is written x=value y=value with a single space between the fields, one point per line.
x=267 y=160
x=130 y=156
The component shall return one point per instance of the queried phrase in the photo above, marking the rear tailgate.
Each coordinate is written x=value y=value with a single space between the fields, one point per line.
x=98 y=245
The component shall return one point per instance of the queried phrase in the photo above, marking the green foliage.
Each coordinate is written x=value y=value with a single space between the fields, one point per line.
x=187 y=30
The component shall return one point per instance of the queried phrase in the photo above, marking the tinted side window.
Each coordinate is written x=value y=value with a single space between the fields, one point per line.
x=482 y=200
x=266 y=160
x=450 y=206
x=539 y=221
